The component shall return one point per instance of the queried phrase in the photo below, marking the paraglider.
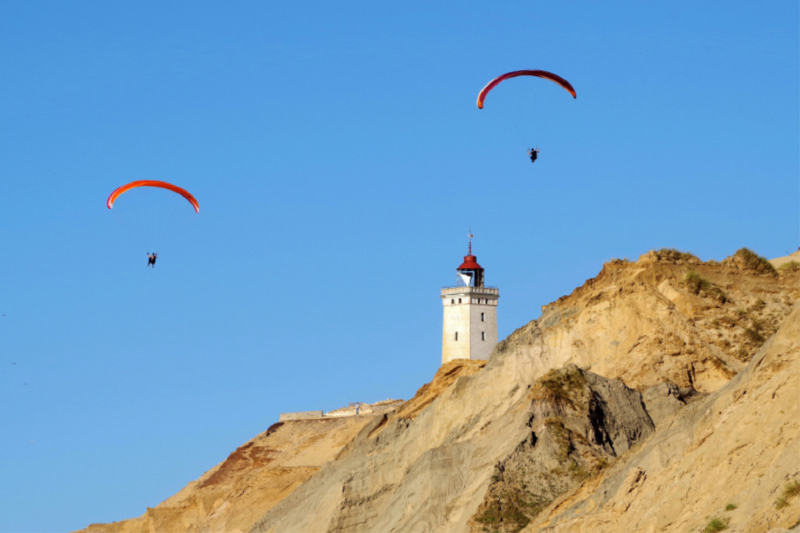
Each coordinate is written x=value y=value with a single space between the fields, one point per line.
x=152 y=183
x=533 y=153
x=151 y=258
x=538 y=73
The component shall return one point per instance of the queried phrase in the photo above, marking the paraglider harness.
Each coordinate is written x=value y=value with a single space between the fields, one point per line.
x=534 y=153
x=151 y=259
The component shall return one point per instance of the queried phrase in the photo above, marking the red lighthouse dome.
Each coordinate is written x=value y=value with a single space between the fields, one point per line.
x=470 y=263
x=470 y=272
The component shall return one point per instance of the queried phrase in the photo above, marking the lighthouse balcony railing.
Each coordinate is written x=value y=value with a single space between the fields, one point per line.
x=475 y=290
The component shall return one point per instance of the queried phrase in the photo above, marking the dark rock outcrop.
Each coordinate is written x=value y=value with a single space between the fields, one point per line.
x=580 y=422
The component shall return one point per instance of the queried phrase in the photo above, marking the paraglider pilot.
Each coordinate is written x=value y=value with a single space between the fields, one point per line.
x=534 y=153
x=151 y=259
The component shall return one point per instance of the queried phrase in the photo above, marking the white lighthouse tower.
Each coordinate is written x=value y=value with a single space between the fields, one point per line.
x=470 y=314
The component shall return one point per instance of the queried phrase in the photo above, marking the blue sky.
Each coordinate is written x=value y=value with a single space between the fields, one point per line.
x=339 y=160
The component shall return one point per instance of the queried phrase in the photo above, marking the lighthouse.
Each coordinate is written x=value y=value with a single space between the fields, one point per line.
x=470 y=313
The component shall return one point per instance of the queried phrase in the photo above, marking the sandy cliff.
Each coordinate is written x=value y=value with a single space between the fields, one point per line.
x=633 y=404
x=668 y=325
x=645 y=323
x=737 y=448
x=233 y=494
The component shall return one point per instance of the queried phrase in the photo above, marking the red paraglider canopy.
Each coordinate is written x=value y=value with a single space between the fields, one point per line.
x=152 y=183
x=538 y=73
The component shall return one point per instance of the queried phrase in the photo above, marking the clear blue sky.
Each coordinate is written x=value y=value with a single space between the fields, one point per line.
x=339 y=160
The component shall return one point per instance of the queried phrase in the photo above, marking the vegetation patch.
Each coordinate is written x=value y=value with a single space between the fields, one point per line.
x=731 y=507
x=753 y=261
x=758 y=306
x=699 y=285
x=742 y=354
x=561 y=435
x=577 y=469
x=727 y=321
x=696 y=282
x=509 y=505
x=790 y=490
x=578 y=472
x=716 y=524
x=791 y=266
x=754 y=336
x=760 y=329
x=567 y=386
x=533 y=475
x=673 y=255
x=509 y=512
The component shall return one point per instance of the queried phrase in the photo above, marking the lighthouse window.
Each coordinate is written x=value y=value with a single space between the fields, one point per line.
x=456 y=335
x=483 y=336
x=459 y=300
x=483 y=318
x=452 y=302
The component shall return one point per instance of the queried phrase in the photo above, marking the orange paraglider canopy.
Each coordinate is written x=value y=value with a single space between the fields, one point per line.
x=152 y=183
x=538 y=73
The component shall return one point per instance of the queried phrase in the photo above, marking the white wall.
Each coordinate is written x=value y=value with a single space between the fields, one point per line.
x=481 y=349
x=465 y=318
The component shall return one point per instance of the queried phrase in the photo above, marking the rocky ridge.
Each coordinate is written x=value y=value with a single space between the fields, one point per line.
x=580 y=422
x=667 y=317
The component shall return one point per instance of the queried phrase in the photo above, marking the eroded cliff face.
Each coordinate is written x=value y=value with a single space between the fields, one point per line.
x=666 y=321
x=667 y=317
x=733 y=457
x=552 y=430
x=232 y=495
x=580 y=422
